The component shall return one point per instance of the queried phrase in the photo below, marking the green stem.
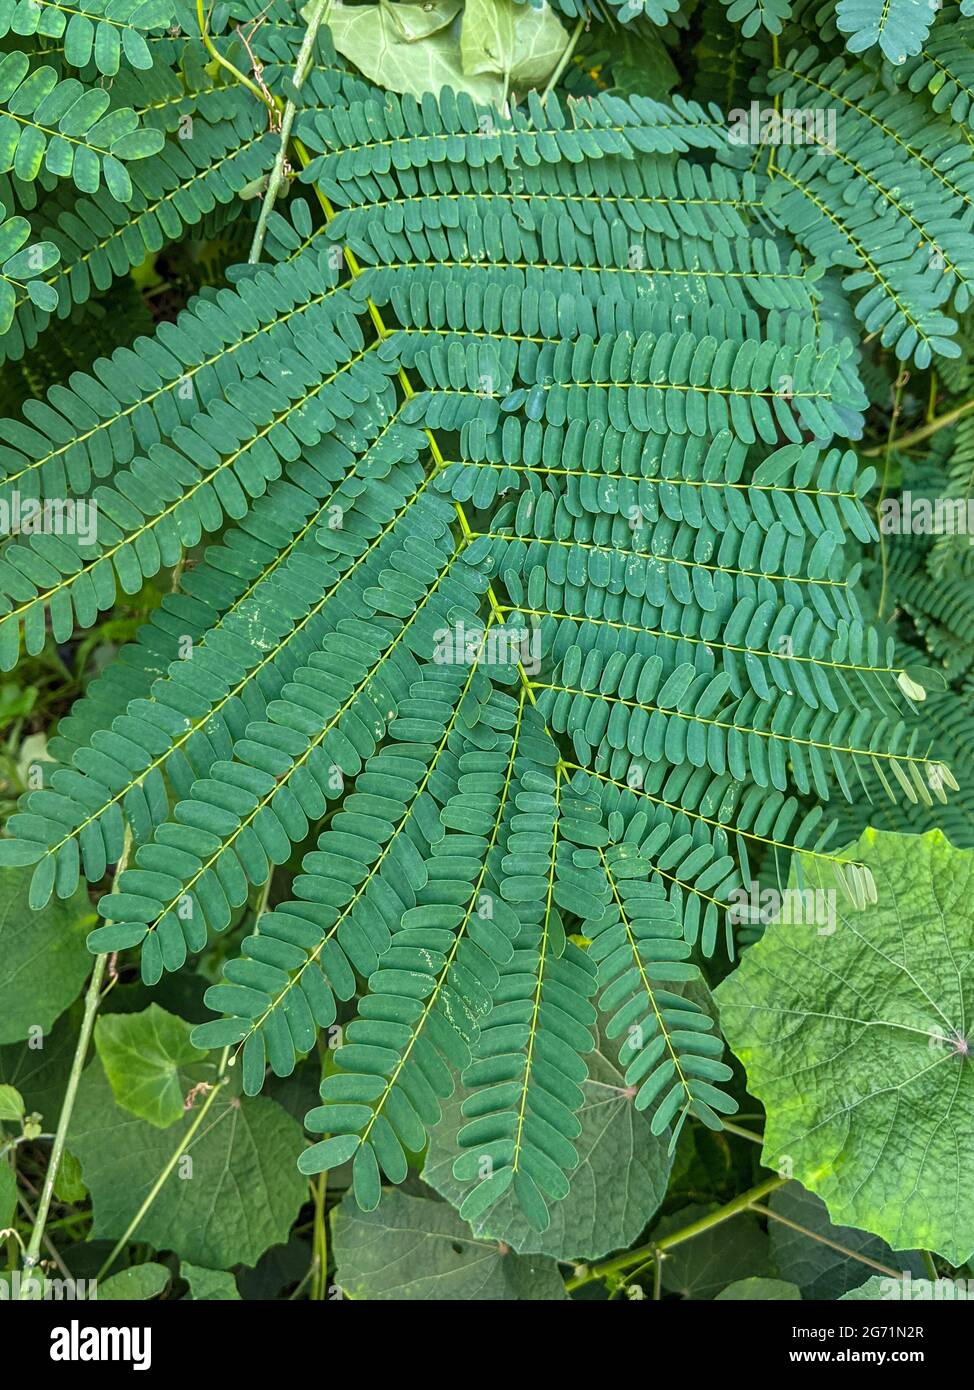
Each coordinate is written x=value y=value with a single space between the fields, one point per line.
x=888 y=454
x=824 y=1240
x=218 y=57
x=619 y=1263
x=319 y=1282
x=31 y=1215
x=22 y=1139
x=565 y=59
x=301 y=68
x=157 y=1186
x=263 y=898
x=923 y=432
x=297 y=1291
x=928 y=1260
x=741 y=1132
x=775 y=63
x=92 y=998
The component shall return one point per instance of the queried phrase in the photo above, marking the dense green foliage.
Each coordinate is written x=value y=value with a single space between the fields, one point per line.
x=486 y=562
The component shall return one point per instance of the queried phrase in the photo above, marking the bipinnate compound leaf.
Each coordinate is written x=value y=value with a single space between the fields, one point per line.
x=416 y=1248
x=150 y=1063
x=897 y=27
x=43 y=958
x=138 y=1282
x=620 y=1181
x=769 y=1290
x=233 y=1192
x=475 y=584
x=856 y=1042
x=21 y=266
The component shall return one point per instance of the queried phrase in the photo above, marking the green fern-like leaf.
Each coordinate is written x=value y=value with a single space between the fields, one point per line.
x=67 y=129
x=102 y=32
x=516 y=504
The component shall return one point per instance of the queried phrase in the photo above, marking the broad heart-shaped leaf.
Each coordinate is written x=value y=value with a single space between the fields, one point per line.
x=43 y=957
x=769 y=1290
x=278 y=1269
x=150 y=1063
x=414 y=1248
x=699 y=1268
x=139 y=1282
x=69 y=1185
x=620 y=1181
x=209 y=1284
x=641 y=63
x=409 y=48
x=234 y=1192
x=819 y=1269
x=505 y=38
x=856 y=1043
x=39 y=1067
x=11 y=1104
x=880 y=1289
